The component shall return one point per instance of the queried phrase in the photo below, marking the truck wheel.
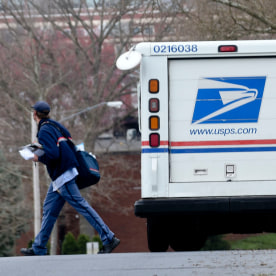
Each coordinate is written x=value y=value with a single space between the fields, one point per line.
x=157 y=235
x=189 y=243
x=186 y=234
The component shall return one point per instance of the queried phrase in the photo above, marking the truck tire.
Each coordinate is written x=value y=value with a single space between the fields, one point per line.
x=189 y=243
x=186 y=235
x=157 y=235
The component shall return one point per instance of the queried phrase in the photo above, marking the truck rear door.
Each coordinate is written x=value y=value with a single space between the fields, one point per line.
x=222 y=126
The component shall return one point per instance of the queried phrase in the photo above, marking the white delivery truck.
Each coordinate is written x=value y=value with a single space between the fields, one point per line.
x=207 y=114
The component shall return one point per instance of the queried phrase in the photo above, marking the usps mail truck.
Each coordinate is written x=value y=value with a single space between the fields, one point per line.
x=207 y=114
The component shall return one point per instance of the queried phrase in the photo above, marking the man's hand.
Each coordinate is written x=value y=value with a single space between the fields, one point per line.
x=35 y=159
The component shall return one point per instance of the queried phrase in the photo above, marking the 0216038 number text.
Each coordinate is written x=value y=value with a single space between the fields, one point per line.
x=165 y=49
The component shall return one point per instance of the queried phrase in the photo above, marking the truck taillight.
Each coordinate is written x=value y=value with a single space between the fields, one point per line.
x=153 y=86
x=153 y=105
x=227 y=48
x=154 y=140
x=154 y=123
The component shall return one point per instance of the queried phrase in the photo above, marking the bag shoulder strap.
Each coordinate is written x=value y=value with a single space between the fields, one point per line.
x=59 y=129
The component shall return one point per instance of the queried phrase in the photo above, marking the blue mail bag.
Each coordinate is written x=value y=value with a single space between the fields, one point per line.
x=88 y=169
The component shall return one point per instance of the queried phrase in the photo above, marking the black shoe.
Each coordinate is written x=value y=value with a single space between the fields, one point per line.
x=27 y=251
x=110 y=247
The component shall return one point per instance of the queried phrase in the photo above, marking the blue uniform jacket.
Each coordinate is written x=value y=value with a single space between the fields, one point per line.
x=59 y=154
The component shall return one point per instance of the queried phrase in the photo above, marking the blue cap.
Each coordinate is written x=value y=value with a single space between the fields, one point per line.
x=42 y=107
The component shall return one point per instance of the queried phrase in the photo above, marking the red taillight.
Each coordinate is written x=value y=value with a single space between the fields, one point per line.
x=154 y=140
x=228 y=48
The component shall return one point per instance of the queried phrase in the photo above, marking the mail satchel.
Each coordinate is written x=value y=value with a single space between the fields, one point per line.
x=88 y=168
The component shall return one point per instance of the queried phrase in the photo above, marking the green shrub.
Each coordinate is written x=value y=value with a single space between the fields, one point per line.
x=82 y=240
x=69 y=245
x=216 y=243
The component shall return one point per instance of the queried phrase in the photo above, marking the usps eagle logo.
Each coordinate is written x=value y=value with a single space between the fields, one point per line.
x=228 y=100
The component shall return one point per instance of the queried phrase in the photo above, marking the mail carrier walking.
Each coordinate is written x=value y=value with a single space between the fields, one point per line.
x=207 y=114
x=61 y=164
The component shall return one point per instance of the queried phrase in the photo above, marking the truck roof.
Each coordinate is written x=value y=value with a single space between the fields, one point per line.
x=208 y=48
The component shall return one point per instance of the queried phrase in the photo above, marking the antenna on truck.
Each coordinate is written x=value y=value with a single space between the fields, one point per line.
x=129 y=60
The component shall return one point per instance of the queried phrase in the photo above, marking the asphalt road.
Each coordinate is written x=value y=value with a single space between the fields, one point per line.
x=262 y=262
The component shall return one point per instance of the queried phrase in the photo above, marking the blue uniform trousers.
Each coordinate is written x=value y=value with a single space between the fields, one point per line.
x=53 y=204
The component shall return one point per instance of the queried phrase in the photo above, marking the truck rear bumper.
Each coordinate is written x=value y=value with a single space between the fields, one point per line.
x=204 y=206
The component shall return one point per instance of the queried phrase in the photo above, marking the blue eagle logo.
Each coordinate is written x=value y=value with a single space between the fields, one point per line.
x=228 y=100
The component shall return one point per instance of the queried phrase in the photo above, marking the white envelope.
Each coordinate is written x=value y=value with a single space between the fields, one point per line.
x=26 y=154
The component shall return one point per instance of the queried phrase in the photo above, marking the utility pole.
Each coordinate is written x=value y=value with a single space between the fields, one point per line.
x=36 y=187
